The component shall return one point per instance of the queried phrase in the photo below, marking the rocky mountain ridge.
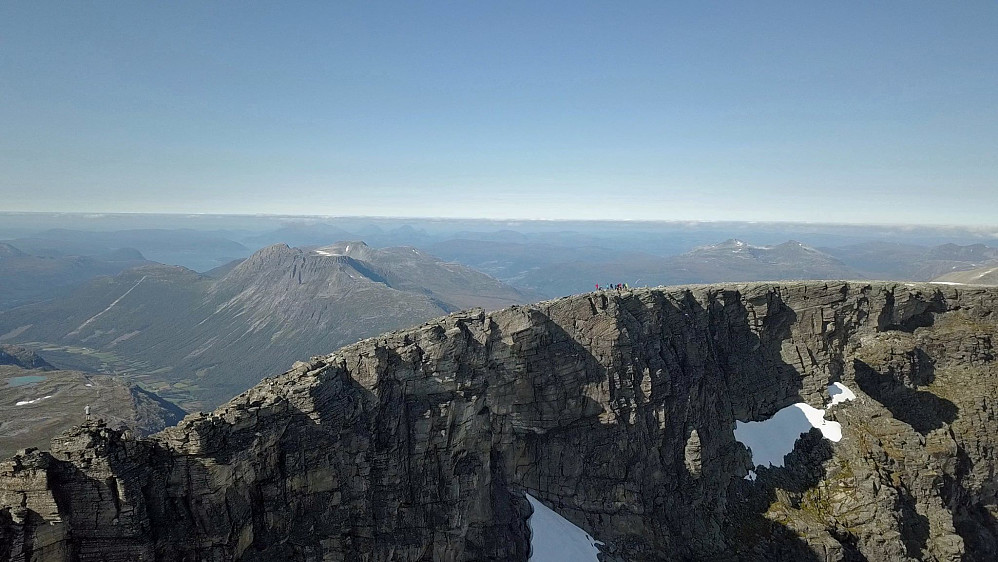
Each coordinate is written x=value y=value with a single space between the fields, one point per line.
x=615 y=409
x=17 y=356
x=39 y=402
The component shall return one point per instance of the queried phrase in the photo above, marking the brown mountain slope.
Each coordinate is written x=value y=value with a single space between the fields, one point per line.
x=985 y=275
x=38 y=404
x=206 y=339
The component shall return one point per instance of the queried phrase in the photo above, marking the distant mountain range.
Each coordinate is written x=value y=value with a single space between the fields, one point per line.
x=191 y=248
x=568 y=272
x=883 y=260
x=26 y=278
x=205 y=338
x=556 y=271
x=735 y=260
x=197 y=338
x=553 y=257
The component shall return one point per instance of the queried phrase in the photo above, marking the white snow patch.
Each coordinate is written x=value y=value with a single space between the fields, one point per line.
x=946 y=283
x=324 y=253
x=556 y=539
x=986 y=272
x=769 y=441
x=35 y=401
x=840 y=393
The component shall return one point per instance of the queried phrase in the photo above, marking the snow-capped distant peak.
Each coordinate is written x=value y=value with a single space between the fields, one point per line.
x=358 y=247
x=333 y=251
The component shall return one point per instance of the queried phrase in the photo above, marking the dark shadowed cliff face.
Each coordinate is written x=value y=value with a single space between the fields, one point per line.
x=617 y=410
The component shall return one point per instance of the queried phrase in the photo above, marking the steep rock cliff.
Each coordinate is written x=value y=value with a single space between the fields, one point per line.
x=616 y=409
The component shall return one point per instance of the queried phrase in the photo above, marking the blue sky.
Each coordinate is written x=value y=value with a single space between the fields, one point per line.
x=801 y=111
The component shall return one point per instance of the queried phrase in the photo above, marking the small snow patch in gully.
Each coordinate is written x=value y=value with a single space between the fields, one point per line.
x=556 y=539
x=770 y=440
x=35 y=401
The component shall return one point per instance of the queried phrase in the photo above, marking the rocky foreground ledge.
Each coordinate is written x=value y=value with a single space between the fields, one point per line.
x=617 y=410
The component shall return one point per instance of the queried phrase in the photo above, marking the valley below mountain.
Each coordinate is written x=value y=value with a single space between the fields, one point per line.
x=625 y=418
x=39 y=402
x=199 y=339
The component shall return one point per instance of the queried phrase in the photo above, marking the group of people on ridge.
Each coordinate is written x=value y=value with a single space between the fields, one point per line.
x=612 y=287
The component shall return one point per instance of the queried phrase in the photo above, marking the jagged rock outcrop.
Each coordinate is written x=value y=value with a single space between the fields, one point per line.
x=18 y=356
x=617 y=409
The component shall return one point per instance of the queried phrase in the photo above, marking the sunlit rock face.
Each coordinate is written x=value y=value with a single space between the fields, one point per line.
x=618 y=411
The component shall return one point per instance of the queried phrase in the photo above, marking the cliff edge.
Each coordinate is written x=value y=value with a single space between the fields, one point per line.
x=624 y=412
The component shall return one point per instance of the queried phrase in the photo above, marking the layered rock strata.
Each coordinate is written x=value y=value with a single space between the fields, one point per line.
x=616 y=409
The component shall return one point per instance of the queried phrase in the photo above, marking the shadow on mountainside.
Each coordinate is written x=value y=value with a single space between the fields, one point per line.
x=922 y=410
x=973 y=519
x=973 y=511
x=911 y=314
x=762 y=537
x=616 y=466
x=759 y=383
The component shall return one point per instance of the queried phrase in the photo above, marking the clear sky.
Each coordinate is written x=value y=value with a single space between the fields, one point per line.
x=880 y=112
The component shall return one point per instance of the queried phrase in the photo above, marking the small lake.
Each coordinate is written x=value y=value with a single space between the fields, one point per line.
x=25 y=380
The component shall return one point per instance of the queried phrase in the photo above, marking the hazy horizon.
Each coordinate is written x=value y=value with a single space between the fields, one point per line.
x=781 y=112
x=304 y=217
